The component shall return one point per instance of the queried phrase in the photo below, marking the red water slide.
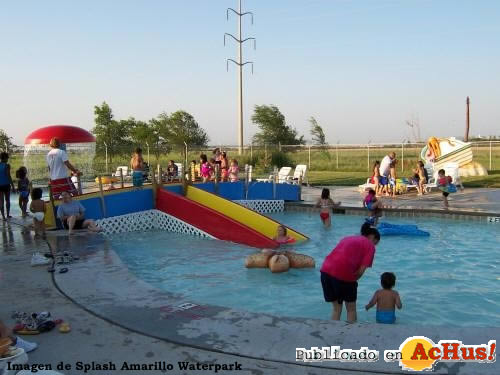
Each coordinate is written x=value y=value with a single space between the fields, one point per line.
x=210 y=221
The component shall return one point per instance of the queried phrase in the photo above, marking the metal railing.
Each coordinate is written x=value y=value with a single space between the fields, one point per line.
x=331 y=157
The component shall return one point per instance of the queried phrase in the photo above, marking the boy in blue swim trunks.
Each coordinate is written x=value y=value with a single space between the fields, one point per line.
x=386 y=299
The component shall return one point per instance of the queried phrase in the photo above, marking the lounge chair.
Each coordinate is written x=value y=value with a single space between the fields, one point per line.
x=300 y=173
x=369 y=185
x=283 y=175
x=124 y=171
x=432 y=183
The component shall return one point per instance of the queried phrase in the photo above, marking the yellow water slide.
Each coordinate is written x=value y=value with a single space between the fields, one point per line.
x=237 y=212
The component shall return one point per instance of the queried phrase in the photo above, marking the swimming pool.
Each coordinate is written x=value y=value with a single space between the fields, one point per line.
x=451 y=278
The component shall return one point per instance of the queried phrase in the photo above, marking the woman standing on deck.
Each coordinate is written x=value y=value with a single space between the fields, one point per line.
x=344 y=266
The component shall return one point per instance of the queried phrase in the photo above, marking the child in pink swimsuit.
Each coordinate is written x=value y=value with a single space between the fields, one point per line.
x=206 y=169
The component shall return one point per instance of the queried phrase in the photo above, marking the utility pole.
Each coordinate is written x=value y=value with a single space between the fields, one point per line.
x=467 y=121
x=240 y=65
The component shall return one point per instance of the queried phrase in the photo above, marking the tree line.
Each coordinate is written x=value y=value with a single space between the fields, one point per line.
x=176 y=129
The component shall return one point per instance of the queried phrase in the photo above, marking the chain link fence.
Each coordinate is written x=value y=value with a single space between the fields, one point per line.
x=336 y=157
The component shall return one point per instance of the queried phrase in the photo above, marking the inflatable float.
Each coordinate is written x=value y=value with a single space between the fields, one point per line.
x=106 y=180
x=387 y=229
x=279 y=262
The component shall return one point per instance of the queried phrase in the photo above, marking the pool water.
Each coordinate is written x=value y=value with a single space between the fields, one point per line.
x=451 y=278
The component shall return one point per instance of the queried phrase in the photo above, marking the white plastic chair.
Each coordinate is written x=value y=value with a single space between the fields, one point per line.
x=300 y=173
x=283 y=175
x=124 y=171
x=452 y=170
x=432 y=183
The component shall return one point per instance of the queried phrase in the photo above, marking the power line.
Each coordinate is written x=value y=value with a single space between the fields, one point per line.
x=240 y=65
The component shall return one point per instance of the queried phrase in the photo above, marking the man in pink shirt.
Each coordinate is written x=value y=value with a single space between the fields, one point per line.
x=344 y=266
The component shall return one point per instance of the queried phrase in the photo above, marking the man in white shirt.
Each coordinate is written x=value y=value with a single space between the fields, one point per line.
x=58 y=163
x=385 y=164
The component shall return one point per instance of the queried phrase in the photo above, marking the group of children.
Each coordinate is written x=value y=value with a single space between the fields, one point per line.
x=229 y=170
x=24 y=189
x=385 y=185
x=389 y=185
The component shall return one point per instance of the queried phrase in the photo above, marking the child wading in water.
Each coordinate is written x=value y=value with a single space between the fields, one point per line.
x=282 y=238
x=37 y=207
x=445 y=185
x=23 y=188
x=326 y=204
x=373 y=205
x=386 y=299
x=281 y=235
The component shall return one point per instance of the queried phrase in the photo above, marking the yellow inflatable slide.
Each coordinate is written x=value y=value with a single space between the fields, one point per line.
x=260 y=223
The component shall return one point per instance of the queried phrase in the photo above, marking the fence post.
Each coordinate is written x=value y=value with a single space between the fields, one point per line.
x=300 y=187
x=251 y=152
x=216 y=178
x=160 y=177
x=279 y=146
x=106 y=158
x=186 y=158
x=147 y=145
x=368 y=152
x=121 y=178
x=154 y=186
x=309 y=157
x=101 y=194
x=402 y=156
x=275 y=177
x=490 y=156
x=337 y=152
x=79 y=182
x=265 y=151
x=247 y=174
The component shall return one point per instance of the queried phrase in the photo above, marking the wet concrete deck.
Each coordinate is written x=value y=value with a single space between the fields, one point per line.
x=470 y=200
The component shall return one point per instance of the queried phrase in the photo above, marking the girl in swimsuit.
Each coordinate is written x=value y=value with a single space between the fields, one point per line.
x=376 y=177
x=234 y=169
x=23 y=188
x=326 y=204
x=281 y=236
x=224 y=167
x=206 y=169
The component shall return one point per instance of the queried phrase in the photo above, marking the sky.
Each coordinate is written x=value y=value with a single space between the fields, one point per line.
x=362 y=68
